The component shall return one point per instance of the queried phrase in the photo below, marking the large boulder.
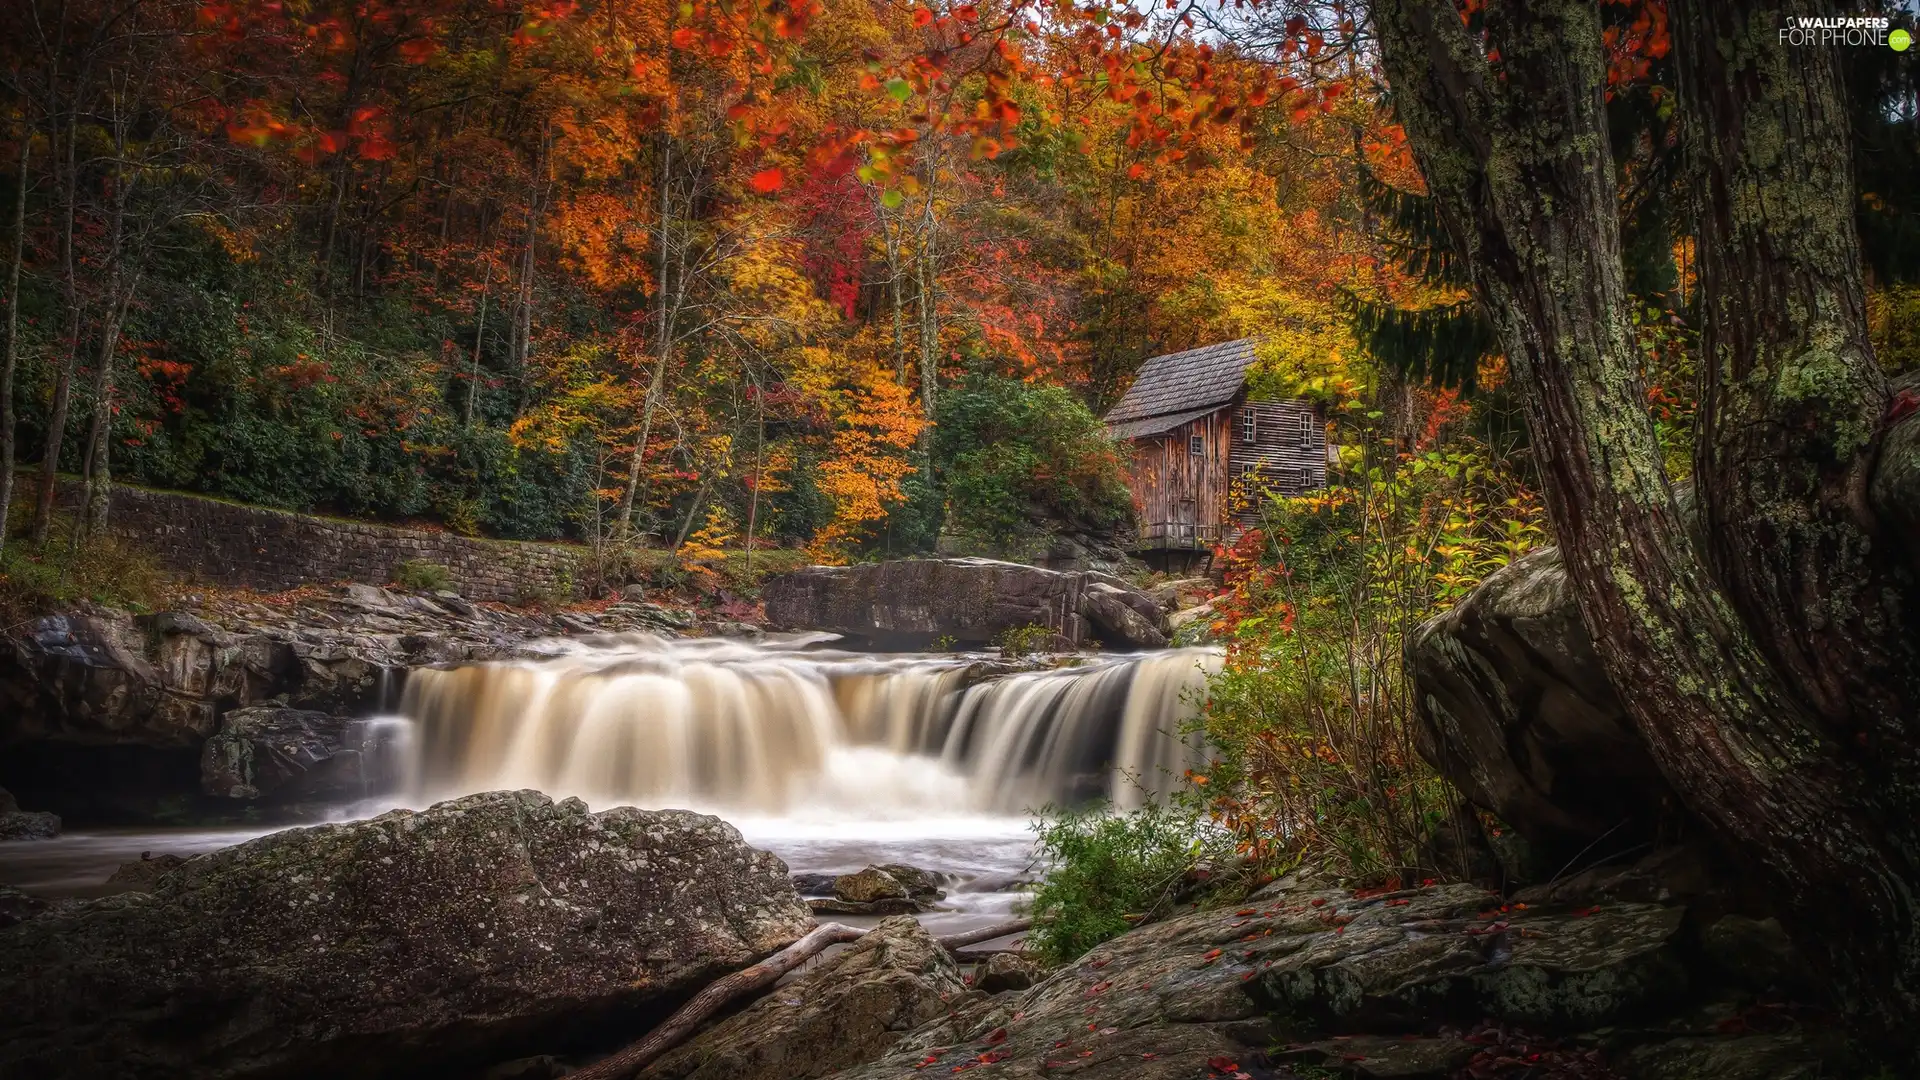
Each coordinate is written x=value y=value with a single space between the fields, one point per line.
x=848 y=1011
x=297 y=755
x=869 y=885
x=415 y=943
x=1308 y=979
x=1514 y=708
x=911 y=603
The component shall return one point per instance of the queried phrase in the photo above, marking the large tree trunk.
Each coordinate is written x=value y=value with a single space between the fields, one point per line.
x=99 y=467
x=8 y=419
x=663 y=351
x=63 y=378
x=1789 y=432
x=929 y=280
x=1515 y=151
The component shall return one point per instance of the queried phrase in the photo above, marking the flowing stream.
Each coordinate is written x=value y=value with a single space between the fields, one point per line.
x=831 y=759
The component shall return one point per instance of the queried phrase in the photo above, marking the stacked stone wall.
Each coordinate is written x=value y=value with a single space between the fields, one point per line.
x=254 y=547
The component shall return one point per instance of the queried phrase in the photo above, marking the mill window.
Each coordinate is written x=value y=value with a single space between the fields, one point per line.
x=1197 y=445
x=1249 y=427
x=1306 y=429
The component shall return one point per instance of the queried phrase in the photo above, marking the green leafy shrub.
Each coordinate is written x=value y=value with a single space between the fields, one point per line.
x=1107 y=870
x=1010 y=453
x=422 y=574
x=1023 y=640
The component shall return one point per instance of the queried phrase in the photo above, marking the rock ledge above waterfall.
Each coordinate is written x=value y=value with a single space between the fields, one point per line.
x=911 y=603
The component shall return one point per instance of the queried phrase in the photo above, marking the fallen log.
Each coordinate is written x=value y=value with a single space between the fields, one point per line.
x=985 y=933
x=636 y=1056
x=681 y=1025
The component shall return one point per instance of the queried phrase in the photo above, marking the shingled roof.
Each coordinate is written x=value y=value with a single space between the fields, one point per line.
x=1178 y=387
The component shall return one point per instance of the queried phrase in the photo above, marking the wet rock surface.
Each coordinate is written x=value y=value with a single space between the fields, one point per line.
x=851 y=1008
x=891 y=889
x=911 y=603
x=142 y=874
x=415 y=943
x=1304 y=980
x=868 y=885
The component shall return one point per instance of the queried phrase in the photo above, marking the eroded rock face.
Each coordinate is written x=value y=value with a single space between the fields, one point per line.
x=1515 y=710
x=910 y=603
x=849 y=1010
x=415 y=943
x=104 y=715
x=296 y=755
x=1304 y=977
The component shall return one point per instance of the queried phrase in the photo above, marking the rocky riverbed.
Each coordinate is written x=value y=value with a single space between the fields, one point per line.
x=507 y=931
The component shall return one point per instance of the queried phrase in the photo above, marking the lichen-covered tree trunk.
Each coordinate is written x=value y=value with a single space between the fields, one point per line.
x=1510 y=132
x=1792 y=419
x=1784 y=343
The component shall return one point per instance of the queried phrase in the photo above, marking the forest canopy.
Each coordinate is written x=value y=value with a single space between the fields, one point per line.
x=636 y=270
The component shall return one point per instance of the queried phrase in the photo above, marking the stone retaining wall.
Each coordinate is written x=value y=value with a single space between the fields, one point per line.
x=234 y=545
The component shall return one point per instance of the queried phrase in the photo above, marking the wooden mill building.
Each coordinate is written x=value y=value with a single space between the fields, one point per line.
x=1200 y=447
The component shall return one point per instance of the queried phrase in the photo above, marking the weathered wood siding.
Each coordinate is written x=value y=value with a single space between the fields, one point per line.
x=1173 y=485
x=1287 y=454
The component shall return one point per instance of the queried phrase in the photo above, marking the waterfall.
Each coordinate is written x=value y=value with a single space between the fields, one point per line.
x=784 y=726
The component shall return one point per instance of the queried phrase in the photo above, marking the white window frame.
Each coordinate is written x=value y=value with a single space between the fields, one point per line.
x=1196 y=446
x=1306 y=429
x=1249 y=426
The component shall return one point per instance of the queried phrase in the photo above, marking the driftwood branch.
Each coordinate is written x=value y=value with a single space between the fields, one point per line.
x=636 y=1056
x=681 y=1025
x=985 y=933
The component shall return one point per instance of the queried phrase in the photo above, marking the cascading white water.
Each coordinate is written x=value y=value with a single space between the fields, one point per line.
x=770 y=729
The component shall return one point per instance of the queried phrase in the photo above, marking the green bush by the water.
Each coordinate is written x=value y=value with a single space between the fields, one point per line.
x=1106 y=870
